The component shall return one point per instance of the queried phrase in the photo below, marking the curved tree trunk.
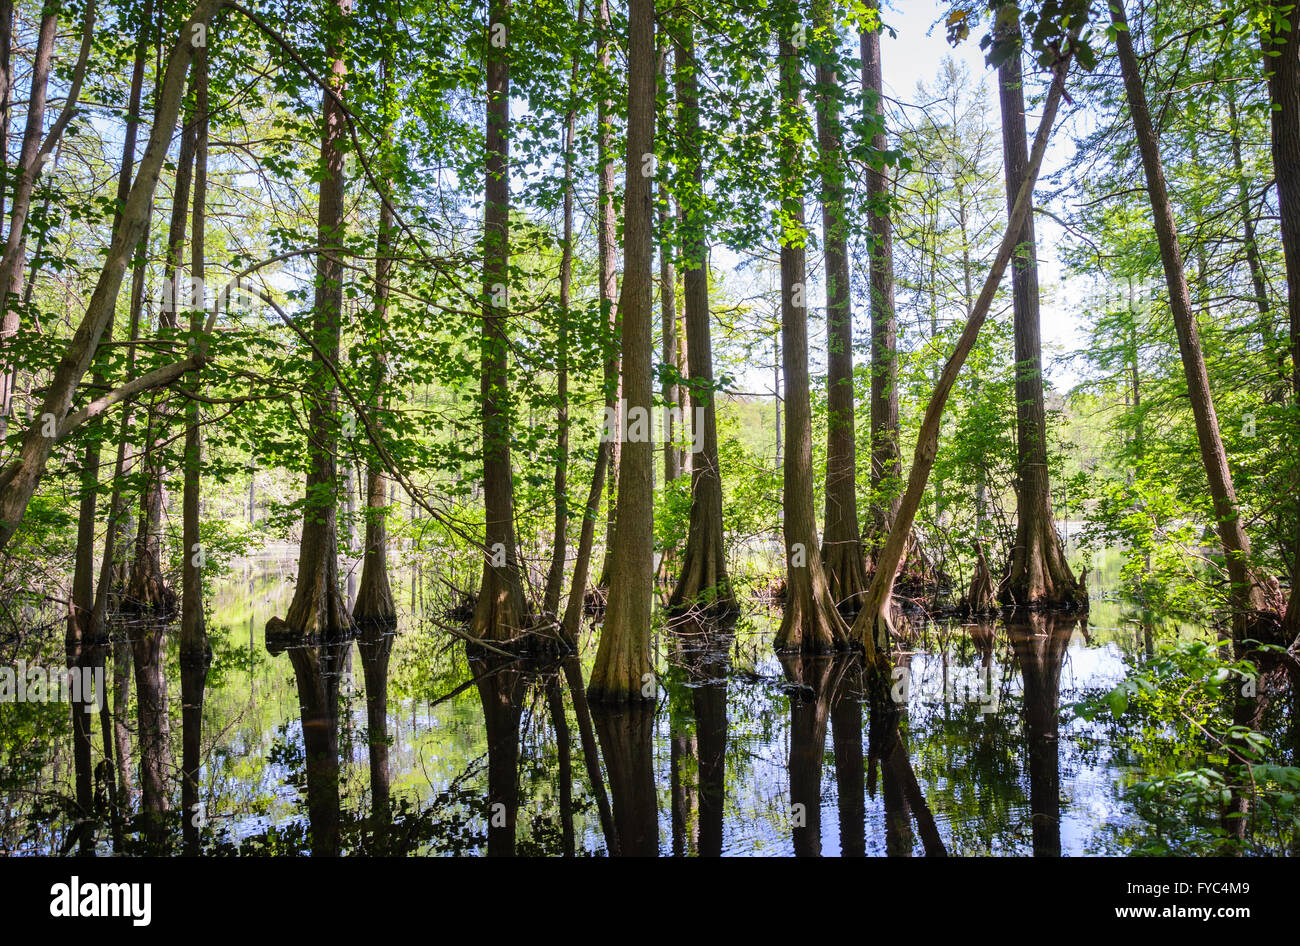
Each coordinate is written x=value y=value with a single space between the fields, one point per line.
x=622 y=671
x=810 y=623
x=704 y=585
x=1252 y=594
x=1039 y=574
x=873 y=627
x=846 y=570
x=19 y=480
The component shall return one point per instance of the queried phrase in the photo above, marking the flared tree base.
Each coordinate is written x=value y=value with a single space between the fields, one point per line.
x=810 y=622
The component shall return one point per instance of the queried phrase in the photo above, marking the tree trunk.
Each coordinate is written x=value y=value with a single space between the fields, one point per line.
x=1251 y=593
x=810 y=623
x=318 y=610
x=846 y=570
x=704 y=585
x=873 y=626
x=886 y=459
x=622 y=666
x=555 y=575
x=20 y=479
x=195 y=654
x=500 y=612
x=147 y=590
x=374 y=609
x=606 y=230
x=668 y=315
x=1282 y=59
x=1039 y=574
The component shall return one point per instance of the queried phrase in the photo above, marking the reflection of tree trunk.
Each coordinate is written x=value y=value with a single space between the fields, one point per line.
x=560 y=722
x=317 y=669
x=626 y=741
x=810 y=701
x=151 y=711
x=708 y=661
x=903 y=799
x=501 y=690
x=375 y=645
x=710 y=704
x=1040 y=648
x=682 y=758
x=590 y=751
x=850 y=773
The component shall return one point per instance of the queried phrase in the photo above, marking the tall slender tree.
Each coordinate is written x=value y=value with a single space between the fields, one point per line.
x=622 y=671
x=1252 y=594
x=704 y=583
x=318 y=609
x=1039 y=575
x=500 y=611
x=846 y=570
x=810 y=622
x=886 y=458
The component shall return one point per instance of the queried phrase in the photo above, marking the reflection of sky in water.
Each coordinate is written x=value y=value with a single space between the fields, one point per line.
x=972 y=767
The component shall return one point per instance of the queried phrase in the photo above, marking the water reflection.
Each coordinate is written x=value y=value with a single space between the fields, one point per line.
x=1040 y=645
x=452 y=752
x=317 y=669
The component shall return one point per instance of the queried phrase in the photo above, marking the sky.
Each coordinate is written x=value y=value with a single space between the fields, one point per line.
x=914 y=54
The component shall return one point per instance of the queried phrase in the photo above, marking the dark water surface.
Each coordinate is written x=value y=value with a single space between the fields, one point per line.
x=744 y=753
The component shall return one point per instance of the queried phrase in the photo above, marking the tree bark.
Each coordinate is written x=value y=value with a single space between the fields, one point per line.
x=318 y=610
x=374 y=610
x=622 y=664
x=810 y=622
x=704 y=585
x=846 y=570
x=886 y=459
x=1251 y=593
x=500 y=611
x=1039 y=575
x=873 y=627
x=555 y=575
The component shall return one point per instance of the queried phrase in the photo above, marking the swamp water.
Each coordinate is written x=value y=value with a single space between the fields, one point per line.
x=744 y=752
